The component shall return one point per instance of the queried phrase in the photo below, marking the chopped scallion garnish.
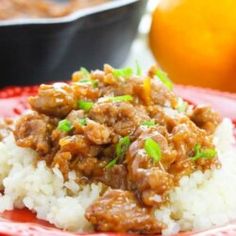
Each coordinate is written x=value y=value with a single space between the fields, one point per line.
x=85 y=73
x=94 y=83
x=85 y=81
x=111 y=163
x=162 y=76
x=85 y=105
x=138 y=69
x=83 y=121
x=124 y=98
x=207 y=153
x=153 y=149
x=149 y=123
x=65 y=125
x=123 y=73
x=121 y=148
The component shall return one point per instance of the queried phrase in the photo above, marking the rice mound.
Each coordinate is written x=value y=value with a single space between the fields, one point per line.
x=202 y=200
x=31 y=184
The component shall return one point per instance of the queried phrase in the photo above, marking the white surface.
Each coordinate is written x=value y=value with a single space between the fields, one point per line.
x=141 y=53
x=140 y=49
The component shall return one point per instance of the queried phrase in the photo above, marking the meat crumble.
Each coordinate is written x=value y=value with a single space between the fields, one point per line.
x=126 y=130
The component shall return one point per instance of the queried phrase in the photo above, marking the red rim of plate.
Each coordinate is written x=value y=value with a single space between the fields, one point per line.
x=13 y=101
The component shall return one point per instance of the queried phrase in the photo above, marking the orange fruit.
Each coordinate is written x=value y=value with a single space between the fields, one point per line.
x=194 y=41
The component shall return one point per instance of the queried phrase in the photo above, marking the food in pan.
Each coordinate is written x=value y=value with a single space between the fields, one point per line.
x=118 y=151
x=10 y=9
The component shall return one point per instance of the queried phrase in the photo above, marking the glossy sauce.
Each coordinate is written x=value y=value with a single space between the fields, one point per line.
x=135 y=182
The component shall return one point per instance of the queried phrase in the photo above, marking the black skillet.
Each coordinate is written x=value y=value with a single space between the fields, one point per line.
x=33 y=51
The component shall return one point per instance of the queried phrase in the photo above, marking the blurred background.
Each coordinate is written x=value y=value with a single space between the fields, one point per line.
x=140 y=50
x=192 y=40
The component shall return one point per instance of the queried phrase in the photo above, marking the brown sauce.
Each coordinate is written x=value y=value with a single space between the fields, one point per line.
x=103 y=125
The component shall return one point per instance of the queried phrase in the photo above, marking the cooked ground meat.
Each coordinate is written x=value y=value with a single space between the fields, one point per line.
x=33 y=131
x=62 y=161
x=123 y=130
x=122 y=117
x=205 y=118
x=119 y=211
x=54 y=100
x=97 y=133
x=115 y=177
x=146 y=175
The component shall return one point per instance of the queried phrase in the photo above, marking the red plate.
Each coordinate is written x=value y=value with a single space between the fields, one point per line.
x=23 y=222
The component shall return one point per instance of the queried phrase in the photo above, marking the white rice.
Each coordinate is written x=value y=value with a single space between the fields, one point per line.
x=202 y=200
x=205 y=200
x=27 y=183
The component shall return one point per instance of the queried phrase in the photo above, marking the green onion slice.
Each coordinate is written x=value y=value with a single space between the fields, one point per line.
x=149 y=123
x=94 y=83
x=83 y=121
x=207 y=153
x=111 y=163
x=121 y=148
x=85 y=73
x=124 y=98
x=85 y=105
x=86 y=79
x=65 y=125
x=123 y=73
x=138 y=69
x=153 y=149
x=162 y=76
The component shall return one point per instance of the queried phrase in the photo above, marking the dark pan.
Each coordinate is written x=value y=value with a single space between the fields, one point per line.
x=33 y=51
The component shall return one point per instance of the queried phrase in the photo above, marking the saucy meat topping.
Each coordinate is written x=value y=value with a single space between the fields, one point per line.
x=125 y=130
x=41 y=8
x=123 y=213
